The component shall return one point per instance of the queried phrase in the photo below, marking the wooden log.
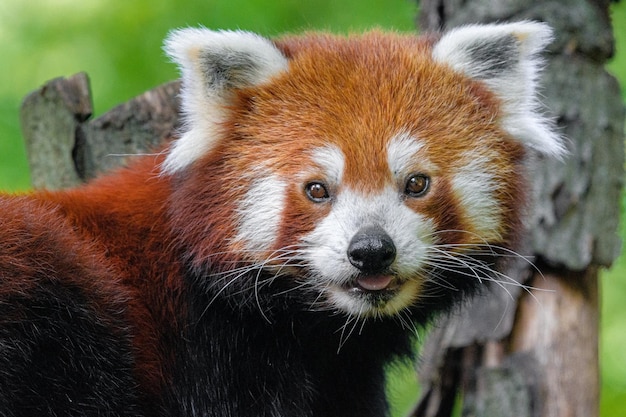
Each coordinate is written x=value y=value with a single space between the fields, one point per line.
x=50 y=119
x=138 y=126
x=558 y=327
x=66 y=147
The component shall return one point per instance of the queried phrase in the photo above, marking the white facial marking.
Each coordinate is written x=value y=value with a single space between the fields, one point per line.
x=260 y=213
x=328 y=245
x=401 y=152
x=475 y=186
x=331 y=160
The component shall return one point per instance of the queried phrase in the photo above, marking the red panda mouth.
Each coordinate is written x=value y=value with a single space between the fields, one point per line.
x=378 y=286
x=375 y=294
x=374 y=282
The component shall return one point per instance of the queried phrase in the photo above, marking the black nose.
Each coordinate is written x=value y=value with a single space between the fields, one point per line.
x=371 y=250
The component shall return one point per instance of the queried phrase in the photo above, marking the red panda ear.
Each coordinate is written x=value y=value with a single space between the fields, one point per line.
x=213 y=64
x=505 y=57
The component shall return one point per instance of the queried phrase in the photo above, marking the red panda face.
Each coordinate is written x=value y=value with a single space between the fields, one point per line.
x=359 y=169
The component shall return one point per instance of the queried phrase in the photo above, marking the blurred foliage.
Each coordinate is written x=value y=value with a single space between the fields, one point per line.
x=117 y=42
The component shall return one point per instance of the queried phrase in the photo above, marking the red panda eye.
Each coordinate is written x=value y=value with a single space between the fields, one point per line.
x=317 y=192
x=417 y=185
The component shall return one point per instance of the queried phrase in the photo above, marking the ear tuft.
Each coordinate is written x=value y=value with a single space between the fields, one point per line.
x=505 y=57
x=213 y=64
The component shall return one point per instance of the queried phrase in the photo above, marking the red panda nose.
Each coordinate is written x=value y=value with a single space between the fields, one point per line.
x=371 y=250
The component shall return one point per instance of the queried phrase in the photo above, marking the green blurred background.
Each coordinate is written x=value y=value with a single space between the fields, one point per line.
x=118 y=43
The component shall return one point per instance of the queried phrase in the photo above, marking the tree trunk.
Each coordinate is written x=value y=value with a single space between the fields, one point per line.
x=533 y=350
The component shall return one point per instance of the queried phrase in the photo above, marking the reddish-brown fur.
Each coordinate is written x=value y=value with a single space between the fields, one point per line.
x=120 y=222
x=354 y=86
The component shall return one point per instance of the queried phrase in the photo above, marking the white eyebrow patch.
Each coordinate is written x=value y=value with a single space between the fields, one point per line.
x=260 y=213
x=401 y=153
x=331 y=160
x=475 y=186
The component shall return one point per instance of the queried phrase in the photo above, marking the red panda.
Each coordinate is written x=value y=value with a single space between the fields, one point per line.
x=326 y=195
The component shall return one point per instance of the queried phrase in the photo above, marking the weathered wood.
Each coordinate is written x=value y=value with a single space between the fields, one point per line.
x=535 y=353
x=578 y=201
x=50 y=118
x=558 y=327
x=137 y=126
x=65 y=147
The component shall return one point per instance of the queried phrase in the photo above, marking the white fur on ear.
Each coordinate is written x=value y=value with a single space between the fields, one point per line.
x=505 y=57
x=213 y=63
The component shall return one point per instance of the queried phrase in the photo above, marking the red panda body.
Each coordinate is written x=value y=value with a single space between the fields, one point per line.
x=326 y=195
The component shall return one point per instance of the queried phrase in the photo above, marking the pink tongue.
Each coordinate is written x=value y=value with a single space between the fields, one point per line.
x=374 y=282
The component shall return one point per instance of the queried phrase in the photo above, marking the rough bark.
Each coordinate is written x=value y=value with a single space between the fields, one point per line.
x=533 y=350
x=65 y=147
x=50 y=120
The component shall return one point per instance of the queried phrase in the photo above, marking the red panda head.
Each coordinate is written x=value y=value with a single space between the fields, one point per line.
x=360 y=170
